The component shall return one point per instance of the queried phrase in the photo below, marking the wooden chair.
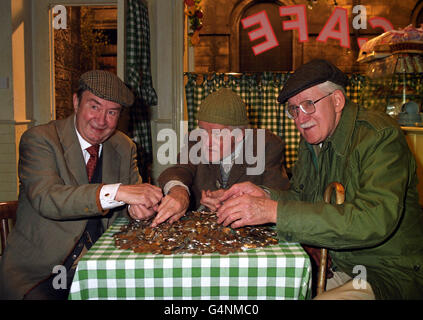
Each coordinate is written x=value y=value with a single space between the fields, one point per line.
x=340 y=198
x=7 y=213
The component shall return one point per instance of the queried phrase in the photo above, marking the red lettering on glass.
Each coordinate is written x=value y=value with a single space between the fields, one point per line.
x=300 y=23
x=376 y=22
x=265 y=31
x=379 y=22
x=339 y=16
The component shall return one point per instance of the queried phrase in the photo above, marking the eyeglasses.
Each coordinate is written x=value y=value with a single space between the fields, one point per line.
x=307 y=106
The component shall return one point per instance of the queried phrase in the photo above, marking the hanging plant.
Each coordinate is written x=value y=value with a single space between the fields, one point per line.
x=195 y=18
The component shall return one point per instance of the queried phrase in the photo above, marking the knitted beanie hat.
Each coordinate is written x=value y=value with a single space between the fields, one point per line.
x=223 y=107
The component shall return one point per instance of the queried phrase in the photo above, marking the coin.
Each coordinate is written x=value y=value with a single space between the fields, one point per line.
x=196 y=233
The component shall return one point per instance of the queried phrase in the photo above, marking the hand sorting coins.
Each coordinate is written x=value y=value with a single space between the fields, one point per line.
x=195 y=233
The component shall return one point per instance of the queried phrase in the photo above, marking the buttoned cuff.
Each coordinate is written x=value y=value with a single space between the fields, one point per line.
x=107 y=196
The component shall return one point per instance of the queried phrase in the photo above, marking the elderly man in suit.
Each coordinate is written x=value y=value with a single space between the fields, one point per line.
x=76 y=175
x=221 y=114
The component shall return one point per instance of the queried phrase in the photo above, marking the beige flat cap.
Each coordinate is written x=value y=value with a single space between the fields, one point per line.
x=108 y=86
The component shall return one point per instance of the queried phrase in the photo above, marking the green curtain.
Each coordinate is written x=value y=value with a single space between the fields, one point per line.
x=259 y=92
x=138 y=71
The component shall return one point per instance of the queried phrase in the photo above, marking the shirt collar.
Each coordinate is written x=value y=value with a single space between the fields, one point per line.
x=230 y=158
x=82 y=142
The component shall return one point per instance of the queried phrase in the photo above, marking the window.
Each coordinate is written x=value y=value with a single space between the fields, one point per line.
x=278 y=58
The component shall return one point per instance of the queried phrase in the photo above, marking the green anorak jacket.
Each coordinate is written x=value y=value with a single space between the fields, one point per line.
x=380 y=224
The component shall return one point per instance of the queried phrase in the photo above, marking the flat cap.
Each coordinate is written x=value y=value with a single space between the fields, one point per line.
x=108 y=86
x=224 y=107
x=311 y=74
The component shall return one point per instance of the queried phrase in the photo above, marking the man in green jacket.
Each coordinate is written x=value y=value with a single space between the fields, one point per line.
x=375 y=237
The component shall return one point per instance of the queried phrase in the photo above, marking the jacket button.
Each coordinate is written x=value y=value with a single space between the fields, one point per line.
x=417 y=268
x=301 y=186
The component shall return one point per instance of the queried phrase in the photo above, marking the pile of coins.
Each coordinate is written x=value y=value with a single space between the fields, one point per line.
x=195 y=233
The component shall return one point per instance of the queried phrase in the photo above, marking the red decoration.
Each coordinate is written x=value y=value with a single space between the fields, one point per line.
x=195 y=16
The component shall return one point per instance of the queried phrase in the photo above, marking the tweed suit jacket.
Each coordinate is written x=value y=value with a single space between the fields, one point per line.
x=55 y=200
x=208 y=177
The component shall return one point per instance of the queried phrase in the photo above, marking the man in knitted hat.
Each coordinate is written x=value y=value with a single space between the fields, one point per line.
x=222 y=117
x=76 y=175
x=374 y=238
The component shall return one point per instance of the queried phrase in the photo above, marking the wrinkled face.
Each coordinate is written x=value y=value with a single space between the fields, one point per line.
x=218 y=141
x=321 y=124
x=96 y=118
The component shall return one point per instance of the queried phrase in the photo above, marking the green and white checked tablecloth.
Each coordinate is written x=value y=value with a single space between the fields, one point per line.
x=105 y=272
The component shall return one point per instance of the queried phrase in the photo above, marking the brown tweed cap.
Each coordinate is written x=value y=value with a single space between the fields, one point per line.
x=108 y=86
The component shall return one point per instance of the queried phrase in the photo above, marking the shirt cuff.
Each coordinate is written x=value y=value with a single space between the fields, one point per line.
x=107 y=196
x=267 y=191
x=173 y=183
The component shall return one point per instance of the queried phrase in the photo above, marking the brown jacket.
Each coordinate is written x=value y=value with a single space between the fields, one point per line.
x=55 y=201
x=207 y=176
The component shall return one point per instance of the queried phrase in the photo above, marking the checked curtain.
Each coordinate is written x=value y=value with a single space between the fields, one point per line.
x=259 y=91
x=138 y=70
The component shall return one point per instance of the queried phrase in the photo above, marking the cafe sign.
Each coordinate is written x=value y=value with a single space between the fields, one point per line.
x=336 y=27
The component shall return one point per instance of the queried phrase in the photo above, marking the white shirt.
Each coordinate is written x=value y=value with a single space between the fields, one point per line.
x=108 y=191
x=228 y=161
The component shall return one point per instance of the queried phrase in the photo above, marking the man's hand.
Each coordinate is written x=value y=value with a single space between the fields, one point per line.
x=173 y=206
x=140 y=212
x=243 y=188
x=246 y=204
x=247 y=210
x=144 y=194
x=210 y=199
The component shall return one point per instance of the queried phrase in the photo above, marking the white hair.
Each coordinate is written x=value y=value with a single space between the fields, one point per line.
x=328 y=87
